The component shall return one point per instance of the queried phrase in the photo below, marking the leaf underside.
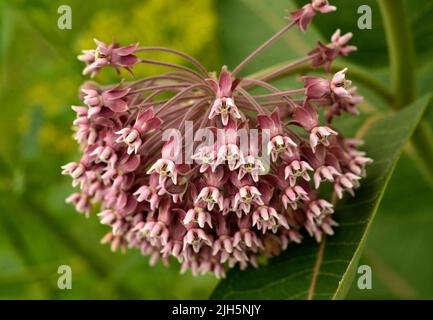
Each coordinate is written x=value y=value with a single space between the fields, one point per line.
x=326 y=270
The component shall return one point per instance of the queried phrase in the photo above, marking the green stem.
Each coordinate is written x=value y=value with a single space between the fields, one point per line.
x=356 y=73
x=402 y=64
x=401 y=51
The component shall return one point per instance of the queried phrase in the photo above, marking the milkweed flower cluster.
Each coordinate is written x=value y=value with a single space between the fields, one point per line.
x=224 y=203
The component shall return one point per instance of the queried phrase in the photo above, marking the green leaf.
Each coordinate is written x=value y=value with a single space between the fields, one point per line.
x=326 y=270
x=401 y=234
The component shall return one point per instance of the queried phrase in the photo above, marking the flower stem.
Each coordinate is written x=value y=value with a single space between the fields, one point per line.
x=293 y=64
x=175 y=66
x=194 y=61
x=253 y=102
x=279 y=94
x=160 y=88
x=255 y=82
x=356 y=73
x=261 y=48
x=179 y=95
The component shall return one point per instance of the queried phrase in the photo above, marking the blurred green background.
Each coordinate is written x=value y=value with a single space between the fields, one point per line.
x=39 y=80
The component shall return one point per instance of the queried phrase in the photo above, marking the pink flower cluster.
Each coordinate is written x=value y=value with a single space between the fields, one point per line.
x=228 y=205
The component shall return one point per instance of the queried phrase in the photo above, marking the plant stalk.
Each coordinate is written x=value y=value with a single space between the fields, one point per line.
x=401 y=51
x=402 y=64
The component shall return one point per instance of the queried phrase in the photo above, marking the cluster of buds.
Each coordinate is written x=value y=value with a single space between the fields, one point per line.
x=226 y=202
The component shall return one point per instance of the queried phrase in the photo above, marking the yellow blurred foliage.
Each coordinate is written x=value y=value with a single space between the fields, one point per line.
x=51 y=95
x=50 y=135
x=185 y=25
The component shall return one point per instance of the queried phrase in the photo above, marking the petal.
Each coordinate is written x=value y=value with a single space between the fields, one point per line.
x=124 y=51
x=118 y=106
x=189 y=216
x=225 y=82
x=129 y=61
x=336 y=36
x=115 y=93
